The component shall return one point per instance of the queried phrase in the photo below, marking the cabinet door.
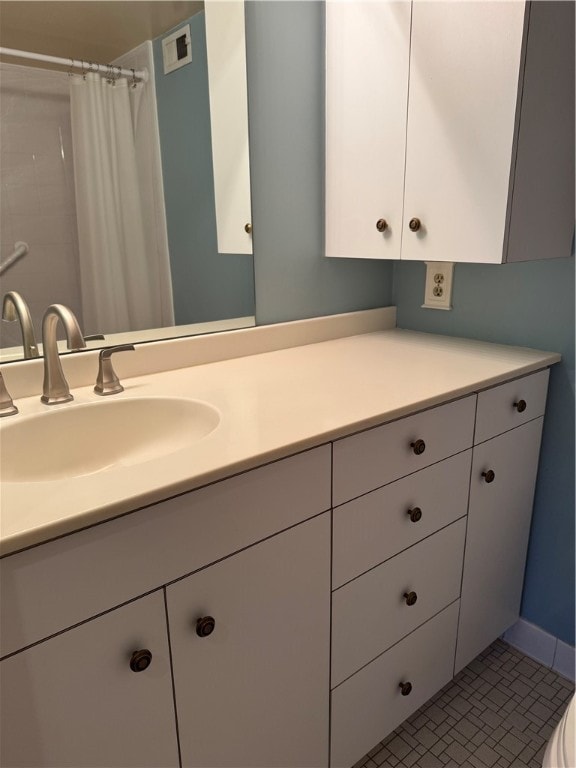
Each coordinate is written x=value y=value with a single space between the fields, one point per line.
x=367 y=46
x=74 y=700
x=254 y=692
x=464 y=72
x=497 y=537
x=228 y=91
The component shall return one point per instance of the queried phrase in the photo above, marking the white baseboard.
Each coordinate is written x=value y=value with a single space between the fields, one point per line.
x=543 y=647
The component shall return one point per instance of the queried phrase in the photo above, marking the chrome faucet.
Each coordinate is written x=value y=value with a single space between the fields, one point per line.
x=15 y=308
x=55 y=388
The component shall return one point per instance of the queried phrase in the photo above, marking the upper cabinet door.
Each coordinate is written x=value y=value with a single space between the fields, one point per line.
x=367 y=57
x=226 y=52
x=465 y=65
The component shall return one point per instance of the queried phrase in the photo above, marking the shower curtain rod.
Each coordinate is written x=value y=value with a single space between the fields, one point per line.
x=87 y=66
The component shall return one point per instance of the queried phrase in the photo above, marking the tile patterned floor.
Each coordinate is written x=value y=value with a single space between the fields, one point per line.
x=499 y=712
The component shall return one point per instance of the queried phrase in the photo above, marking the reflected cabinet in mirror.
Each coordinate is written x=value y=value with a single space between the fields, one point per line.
x=125 y=197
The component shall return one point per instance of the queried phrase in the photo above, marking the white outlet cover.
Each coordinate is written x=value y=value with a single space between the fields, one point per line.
x=438 y=273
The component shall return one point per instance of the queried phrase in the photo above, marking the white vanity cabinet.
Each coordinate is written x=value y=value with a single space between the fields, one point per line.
x=403 y=486
x=250 y=639
x=258 y=685
x=84 y=698
x=483 y=115
x=502 y=484
x=293 y=615
x=428 y=569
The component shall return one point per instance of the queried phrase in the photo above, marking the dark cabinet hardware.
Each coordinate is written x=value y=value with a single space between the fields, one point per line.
x=205 y=626
x=410 y=598
x=418 y=446
x=140 y=660
x=415 y=514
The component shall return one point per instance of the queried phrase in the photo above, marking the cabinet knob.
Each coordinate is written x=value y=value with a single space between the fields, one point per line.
x=381 y=225
x=205 y=626
x=410 y=598
x=405 y=688
x=415 y=514
x=488 y=476
x=418 y=446
x=248 y=228
x=414 y=225
x=520 y=406
x=140 y=660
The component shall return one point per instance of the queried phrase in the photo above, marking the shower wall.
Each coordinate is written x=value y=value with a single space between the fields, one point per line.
x=37 y=202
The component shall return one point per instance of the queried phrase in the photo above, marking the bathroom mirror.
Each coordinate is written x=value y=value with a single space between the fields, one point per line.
x=194 y=280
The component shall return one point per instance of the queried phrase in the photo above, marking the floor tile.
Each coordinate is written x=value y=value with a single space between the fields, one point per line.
x=499 y=712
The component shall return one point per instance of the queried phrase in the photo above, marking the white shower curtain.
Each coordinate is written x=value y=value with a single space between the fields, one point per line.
x=118 y=265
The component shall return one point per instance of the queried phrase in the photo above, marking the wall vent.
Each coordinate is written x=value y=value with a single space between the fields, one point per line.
x=177 y=49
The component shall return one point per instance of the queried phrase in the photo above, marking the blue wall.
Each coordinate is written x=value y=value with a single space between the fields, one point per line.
x=285 y=60
x=206 y=285
x=526 y=304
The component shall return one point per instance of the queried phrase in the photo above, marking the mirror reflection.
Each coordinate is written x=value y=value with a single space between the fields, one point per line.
x=125 y=199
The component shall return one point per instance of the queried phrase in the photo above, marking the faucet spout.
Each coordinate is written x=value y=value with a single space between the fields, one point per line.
x=15 y=308
x=55 y=388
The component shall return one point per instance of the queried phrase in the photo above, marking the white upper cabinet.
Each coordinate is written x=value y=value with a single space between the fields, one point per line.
x=464 y=67
x=367 y=49
x=472 y=138
x=226 y=53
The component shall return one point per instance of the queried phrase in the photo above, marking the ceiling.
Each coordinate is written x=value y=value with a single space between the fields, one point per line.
x=87 y=29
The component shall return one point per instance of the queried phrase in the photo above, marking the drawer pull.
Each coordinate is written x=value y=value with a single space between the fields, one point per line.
x=410 y=598
x=415 y=514
x=381 y=225
x=520 y=406
x=414 y=224
x=205 y=626
x=140 y=660
x=489 y=476
x=418 y=446
x=405 y=689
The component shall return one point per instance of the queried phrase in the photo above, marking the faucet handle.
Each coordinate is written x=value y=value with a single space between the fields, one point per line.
x=7 y=407
x=107 y=383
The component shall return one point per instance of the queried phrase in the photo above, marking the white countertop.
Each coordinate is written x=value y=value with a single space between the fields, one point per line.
x=271 y=405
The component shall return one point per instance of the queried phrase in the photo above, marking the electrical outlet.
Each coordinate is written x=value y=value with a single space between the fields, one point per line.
x=438 y=288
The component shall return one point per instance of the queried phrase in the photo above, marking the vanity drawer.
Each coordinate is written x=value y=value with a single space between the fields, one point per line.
x=369 y=705
x=53 y=586
x=373 y=612
x=378 y=525
x=510 y=405
x=380 y=455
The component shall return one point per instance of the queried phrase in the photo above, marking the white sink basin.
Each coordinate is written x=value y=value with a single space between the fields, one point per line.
x=80 y=439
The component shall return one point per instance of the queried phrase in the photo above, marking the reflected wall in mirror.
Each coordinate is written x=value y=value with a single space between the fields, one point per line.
x=132 y=238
